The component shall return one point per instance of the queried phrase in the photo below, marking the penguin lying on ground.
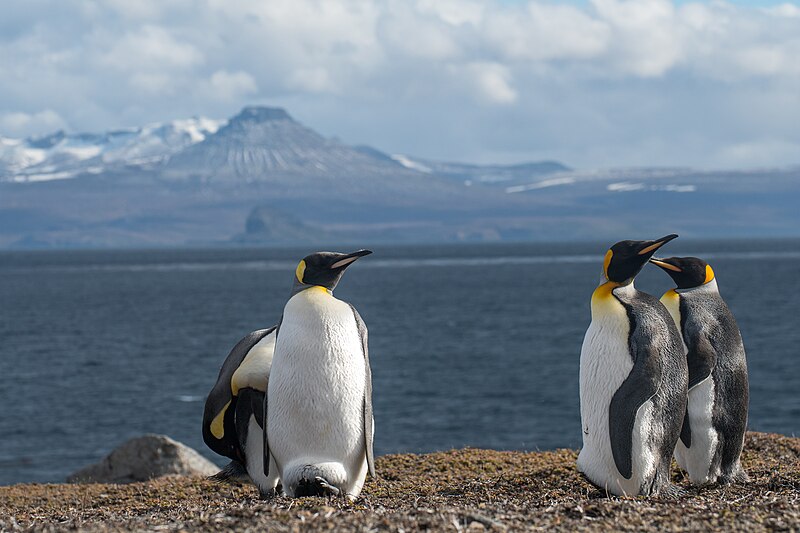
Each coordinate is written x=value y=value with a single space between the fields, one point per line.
x=713 y=429
x=233 y=418
x=319 y=399
x=633 y=380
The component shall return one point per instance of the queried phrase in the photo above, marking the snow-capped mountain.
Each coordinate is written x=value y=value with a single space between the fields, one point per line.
x=205 y=181
x=64 y=155
x=262 y=142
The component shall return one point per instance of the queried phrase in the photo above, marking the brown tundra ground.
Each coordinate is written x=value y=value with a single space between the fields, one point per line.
x=459 y=490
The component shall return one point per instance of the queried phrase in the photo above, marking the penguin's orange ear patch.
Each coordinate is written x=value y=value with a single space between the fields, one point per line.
x=300 y=271
x=607 y=261
x=709 y=274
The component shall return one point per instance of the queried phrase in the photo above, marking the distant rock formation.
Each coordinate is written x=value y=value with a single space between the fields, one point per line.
x=267 y=225
x=143 y=458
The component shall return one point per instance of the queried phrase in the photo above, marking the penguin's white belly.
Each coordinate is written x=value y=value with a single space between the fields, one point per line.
x=317 y=386
x=605 y=364
x=697 y=459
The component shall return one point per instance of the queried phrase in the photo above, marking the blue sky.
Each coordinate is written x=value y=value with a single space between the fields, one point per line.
x=597 y=83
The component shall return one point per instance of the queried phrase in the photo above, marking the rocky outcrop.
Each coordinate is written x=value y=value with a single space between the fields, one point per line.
x=272 y=226
x=143 y=458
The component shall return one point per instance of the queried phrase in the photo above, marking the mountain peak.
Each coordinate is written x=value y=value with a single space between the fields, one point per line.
x=261 y=114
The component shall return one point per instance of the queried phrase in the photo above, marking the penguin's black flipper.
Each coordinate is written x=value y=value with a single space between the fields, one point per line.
x=686 y=430
x=369 y=421
x=640 y=385
x=219 y=429
x=250 y=403
x=702 y=356
x=267 y=457
x=265 y=441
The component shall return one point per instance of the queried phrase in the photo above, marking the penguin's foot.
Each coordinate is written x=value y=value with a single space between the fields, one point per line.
x=671 y=490
x=319 y=486
x=267 y=494
x=734 y=477
x=327 y=487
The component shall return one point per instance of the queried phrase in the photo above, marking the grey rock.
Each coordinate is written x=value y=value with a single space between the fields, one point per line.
x=143 y=458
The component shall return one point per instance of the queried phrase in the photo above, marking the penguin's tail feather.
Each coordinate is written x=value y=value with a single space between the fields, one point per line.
x=233 y=472
x=320 y=479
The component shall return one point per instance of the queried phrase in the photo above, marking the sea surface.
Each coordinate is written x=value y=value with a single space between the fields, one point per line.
x=470 y=345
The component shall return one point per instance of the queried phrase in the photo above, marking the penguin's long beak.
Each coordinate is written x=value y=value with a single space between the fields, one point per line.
x=349 y=259
x=650 y=247
x=665 y=264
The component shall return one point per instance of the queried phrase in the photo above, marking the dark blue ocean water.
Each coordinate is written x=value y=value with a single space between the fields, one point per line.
x=471 y=345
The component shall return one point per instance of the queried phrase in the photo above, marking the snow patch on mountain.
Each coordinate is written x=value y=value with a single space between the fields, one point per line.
x=626 y=186
x=410 y=163
x=61 y=155
x=552 y=182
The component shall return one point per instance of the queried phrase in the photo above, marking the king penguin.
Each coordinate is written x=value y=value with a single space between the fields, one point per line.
x=713 y=429
x=633 y=380
x=319 y=398
x=233 y=419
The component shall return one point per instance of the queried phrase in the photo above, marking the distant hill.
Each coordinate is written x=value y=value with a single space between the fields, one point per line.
x=261 y=177
x=261 y=142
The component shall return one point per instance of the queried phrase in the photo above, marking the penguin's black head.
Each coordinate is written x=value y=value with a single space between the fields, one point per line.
x=324 y=269
x=687 y=272
x=626 y=258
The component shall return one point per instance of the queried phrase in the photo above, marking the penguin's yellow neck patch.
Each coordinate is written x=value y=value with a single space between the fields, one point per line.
x=319 y=288
x=300 y=270
x=603 y=300
x=218 y=424
x=709 y=274
x=604 y=291
x=672 y=301
x=671 y=294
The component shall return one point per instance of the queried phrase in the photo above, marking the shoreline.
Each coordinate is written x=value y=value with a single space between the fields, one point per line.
x=459 y=490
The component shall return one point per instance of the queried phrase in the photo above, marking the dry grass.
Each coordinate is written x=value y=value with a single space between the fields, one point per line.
x=460 y=490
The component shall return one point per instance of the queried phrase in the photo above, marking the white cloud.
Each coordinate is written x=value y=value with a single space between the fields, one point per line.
x=411 y=33
x=150 y=48
x=758 y=153
x=785 y=10
x=493 y=82
x=543 y=32
x=232 y=85
x=312 y=80
x=669 y=82
x=19 y=124
x=454 y=12
x=646 y=35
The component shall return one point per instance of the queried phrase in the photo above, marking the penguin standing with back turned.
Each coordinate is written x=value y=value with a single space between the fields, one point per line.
x=713 y=430
x=319 y=399
x=233 y=418
x=633 y=380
